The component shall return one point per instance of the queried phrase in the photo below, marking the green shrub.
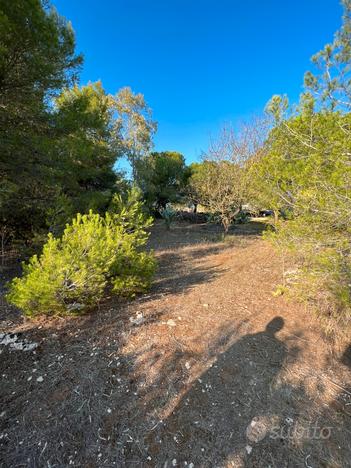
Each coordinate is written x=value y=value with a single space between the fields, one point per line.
x=168 y=214
x=94 y=253
x=323 y=256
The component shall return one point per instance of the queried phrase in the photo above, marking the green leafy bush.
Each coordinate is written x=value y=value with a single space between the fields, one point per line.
x=168 y=214
x=94 y=253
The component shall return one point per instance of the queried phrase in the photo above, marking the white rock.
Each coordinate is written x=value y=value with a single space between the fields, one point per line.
x=8 y=338
x=257 y=429
x=40 y=379
x=248 y=449
x=138 y=319
x=15 y=343
x=171 y=323
x=75 y=306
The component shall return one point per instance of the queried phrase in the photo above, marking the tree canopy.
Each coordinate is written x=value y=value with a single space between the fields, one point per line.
x=162 y=177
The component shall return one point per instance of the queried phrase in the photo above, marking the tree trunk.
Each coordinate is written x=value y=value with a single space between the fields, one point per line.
x=225 y=227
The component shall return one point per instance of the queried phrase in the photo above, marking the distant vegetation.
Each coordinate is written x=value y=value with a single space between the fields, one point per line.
x=60 y=143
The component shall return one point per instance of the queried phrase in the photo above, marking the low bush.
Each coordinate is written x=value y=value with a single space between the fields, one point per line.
x=94 y=253
x=323 y=255
x=168 y=214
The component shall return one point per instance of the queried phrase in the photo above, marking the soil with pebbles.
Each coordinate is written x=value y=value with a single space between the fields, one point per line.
x=208 y=369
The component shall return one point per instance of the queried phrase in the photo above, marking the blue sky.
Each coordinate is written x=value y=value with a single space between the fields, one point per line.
x=200 y=63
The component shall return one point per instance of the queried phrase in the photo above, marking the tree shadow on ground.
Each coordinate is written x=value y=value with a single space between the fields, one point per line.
x=87 y=383
x=176 y=273
x=179 y=271
x=96 y=406
x=186 y=234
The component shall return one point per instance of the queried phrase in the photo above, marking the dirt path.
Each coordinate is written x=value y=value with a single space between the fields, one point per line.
x=208 y=369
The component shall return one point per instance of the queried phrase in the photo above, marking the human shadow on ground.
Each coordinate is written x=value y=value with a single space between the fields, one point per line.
x=209 y=424
x=96 y=408
x=241 y=413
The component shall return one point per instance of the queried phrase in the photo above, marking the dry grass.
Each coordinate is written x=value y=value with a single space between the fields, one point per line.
x=214 y=350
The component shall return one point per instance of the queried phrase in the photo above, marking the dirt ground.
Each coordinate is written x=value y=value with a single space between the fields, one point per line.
x=209 y=369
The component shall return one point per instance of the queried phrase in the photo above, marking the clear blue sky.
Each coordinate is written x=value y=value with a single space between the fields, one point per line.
x=200 y=63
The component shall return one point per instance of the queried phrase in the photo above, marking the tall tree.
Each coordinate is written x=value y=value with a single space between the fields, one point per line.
x=330 y=84
x=306 y=169
x=162 y=177
x=37 y=58
x=86 y=149
x=135 y=126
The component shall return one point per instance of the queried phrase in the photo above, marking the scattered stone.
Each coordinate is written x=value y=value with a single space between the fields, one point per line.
x=138 y=319
x=187 y=365
x=75 y=306
x=248 y=449
x=8 y=338
x=171 y=323
x=40 y=379
x=174 y=462
x=16 y=343
x=256 y=430
x=205 y=305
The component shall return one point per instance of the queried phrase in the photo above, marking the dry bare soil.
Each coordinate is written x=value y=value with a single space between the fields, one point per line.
x=207 y=370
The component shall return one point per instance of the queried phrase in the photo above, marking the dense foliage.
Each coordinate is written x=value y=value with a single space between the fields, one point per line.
x=37 y=58
x=305 y=173
x=59 y=142
x=95 y=252
x=59 y=147
x=162 y=177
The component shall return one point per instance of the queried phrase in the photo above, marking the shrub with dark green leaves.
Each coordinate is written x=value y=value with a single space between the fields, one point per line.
x=94 y=253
